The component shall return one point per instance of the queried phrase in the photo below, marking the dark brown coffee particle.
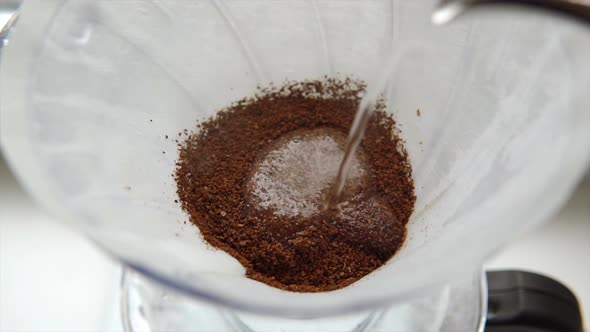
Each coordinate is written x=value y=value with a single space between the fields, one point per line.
x=322 y=251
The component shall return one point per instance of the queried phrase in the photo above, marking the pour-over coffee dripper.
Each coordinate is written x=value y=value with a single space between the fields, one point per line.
x=91 y=88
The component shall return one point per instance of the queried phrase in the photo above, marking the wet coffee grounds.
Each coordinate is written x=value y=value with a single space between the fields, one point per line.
x=254 y=179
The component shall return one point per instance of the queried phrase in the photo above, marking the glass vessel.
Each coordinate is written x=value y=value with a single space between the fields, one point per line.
x=90 y=89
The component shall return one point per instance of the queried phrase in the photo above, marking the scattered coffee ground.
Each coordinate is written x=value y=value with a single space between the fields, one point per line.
x=254 y=179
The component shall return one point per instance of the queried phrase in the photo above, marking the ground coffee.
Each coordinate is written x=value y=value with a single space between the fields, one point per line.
x=242 y=184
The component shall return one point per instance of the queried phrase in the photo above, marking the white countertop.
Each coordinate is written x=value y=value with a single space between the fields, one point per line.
x=52 y=279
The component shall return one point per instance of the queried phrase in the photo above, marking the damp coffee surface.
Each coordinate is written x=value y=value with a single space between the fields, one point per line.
x=256 y=178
